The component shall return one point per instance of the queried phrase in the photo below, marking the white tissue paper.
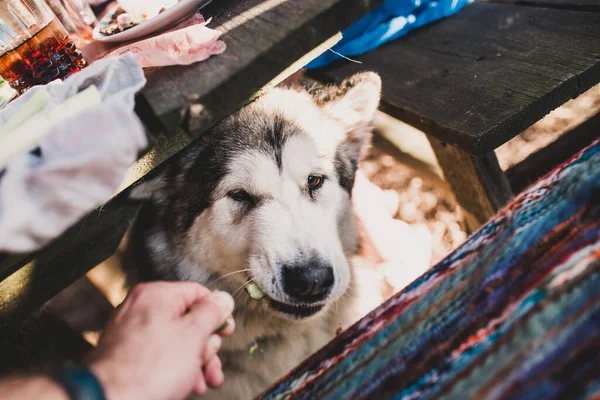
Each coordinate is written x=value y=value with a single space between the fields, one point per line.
x=84 y=157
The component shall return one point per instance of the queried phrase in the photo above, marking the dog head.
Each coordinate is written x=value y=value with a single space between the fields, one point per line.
x=265 y=197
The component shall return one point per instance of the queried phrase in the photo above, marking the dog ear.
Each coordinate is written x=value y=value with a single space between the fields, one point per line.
x=353 y=103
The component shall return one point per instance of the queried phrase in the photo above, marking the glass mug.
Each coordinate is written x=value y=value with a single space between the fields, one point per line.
x=86 y=12
x=35 y=48
x=73 y=21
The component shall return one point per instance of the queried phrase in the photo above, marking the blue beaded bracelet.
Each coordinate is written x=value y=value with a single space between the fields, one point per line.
x=79 y=383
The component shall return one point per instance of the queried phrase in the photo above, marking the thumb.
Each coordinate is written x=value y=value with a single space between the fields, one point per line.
x=208 y=314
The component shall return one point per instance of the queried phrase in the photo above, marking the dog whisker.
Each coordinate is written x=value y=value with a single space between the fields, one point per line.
x=337 y=306
x=243 y=286
x=349 y=290
x=226 y=275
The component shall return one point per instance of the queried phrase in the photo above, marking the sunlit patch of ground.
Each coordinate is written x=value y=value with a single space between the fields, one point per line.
x=417 y=197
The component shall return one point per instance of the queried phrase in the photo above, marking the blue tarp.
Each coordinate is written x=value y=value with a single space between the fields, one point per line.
x=389 y=21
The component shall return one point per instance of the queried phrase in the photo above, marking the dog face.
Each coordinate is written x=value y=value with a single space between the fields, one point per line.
x=264 y=197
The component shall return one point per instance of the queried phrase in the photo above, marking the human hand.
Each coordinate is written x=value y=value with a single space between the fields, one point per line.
x=161 y=344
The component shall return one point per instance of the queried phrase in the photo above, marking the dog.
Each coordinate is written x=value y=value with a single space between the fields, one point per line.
x=264 y=199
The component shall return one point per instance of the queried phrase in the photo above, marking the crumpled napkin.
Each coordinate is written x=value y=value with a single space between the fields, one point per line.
x=188 y=42
x=83 y=159
x=181 y=46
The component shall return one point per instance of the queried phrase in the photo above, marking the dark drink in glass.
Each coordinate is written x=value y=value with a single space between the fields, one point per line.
x=35 y=48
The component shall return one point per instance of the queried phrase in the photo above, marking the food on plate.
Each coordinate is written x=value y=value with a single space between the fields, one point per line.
x=125 y=21
x=124 y=18
x=119 y=21
x=187 y=43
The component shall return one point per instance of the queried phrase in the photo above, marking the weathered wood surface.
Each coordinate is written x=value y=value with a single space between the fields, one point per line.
x=479 y=78
x=263 y=39
x=581 y=5
x=545 y=160
x=479 y=184
x=65 y=260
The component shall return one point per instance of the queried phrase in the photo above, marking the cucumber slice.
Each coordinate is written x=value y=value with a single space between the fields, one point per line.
x=253 y=349
x=255 y=292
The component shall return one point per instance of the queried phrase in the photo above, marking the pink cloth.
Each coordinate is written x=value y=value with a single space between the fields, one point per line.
x=180 y=47
x=188 y=42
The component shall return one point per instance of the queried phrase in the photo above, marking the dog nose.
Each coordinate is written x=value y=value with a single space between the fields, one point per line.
x=308 y=282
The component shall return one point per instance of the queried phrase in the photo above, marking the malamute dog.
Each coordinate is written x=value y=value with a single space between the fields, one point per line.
x=265 y=198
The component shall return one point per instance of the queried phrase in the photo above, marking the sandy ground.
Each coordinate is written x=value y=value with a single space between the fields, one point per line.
x=420 y=200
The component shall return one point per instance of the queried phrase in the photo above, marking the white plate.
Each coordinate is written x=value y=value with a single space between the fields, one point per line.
x=168 y=17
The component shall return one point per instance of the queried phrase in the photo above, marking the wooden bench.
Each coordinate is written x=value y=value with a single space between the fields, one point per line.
x=264 y=39
x=475 y=80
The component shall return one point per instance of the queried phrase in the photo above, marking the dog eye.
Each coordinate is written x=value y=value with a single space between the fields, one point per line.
x=241 y=196
x=315 y=182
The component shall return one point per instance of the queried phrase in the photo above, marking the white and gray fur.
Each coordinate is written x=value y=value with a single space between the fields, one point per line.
x=194 y=226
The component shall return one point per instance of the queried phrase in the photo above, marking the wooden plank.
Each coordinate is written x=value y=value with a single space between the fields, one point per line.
x=263 y=38
x=39 y=342
x=581 y=5
x=545 y=160
x=482 y=76
x=65 y=260
x=10 y=263
x=480 y=186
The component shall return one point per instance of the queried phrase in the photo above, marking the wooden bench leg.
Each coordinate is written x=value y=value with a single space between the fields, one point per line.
x=480 y=185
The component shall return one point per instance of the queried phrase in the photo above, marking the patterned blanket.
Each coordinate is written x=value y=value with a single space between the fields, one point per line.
x=513 y=313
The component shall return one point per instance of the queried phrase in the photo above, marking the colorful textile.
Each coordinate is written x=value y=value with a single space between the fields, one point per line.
x=391 y=20
x=513 y=313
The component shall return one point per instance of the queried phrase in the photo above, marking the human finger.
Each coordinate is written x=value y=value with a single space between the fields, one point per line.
x=200 y=387
x=174 y=298
x=213 y=373
x=213 y=345
x=227 y=328
x=210 y=313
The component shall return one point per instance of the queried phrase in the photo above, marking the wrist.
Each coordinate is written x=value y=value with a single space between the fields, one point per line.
x=47 y=386
x=79 y=383
x=35 y=387
x=110 y=380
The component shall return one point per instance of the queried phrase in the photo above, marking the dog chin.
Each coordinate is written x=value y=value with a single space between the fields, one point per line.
x=295 y=311
x=290 y=310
